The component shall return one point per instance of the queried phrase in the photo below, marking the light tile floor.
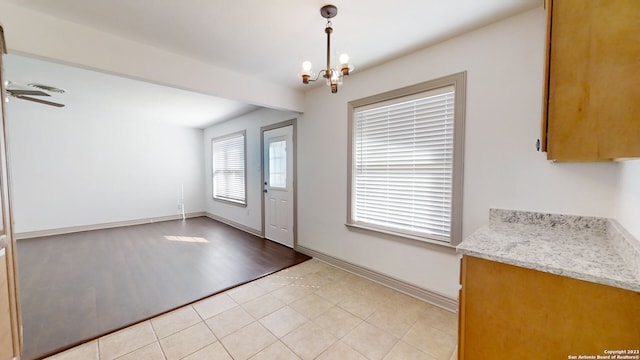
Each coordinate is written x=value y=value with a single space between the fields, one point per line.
x=310 y=311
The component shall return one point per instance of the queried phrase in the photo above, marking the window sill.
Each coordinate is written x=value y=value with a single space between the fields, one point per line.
x=414 y=240
x=230 y=202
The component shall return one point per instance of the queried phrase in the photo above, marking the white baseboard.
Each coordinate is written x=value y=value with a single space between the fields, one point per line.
x=234 y=224
x=439 y=300
x=74 y=229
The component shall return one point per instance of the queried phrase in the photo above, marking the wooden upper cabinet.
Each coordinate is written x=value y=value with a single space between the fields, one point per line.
x=592 y=83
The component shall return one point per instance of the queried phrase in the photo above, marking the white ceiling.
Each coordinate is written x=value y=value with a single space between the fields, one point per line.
x=270 y=39
x=117 y=97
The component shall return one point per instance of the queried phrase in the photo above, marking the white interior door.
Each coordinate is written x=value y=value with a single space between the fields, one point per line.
x=278 y=184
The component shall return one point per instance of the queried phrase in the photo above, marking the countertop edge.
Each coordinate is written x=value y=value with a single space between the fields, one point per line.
x=623 y=243
x=626 y=245
x=552 y=270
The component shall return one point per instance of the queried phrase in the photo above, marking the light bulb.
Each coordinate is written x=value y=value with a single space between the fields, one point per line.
x=306 y=72
x=344 y=64
x=306 y=66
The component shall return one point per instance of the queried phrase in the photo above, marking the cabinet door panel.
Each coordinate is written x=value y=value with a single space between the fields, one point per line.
x=511 y=312
x=594 y=92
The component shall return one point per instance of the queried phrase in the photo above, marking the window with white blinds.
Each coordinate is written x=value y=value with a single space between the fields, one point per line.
x=229 y=164
x=403 y=165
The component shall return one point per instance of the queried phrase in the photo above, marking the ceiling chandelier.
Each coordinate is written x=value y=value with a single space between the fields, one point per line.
x=333 y=76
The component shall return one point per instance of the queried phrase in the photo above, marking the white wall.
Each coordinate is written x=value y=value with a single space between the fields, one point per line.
x=87 y=169
x=504 y=62
x=249 y=216
x=628 y=205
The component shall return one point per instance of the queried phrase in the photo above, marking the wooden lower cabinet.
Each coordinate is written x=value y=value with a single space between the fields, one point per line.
x=509 y=312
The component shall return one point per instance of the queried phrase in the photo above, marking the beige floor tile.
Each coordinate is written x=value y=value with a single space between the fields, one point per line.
x=356 y=283
x=442 y=320
x=274 y=282
x=149 y=352
x=335 y=292
x=309 y=341
x=341 y=351
x=246 y=292
x=126 y=340
x=187 y=341
x=311 y=306
x=378 y=293
x=404 y=351
x=229 y=321
x=88 y=351
x=370 y=341
x=314 y=280
x=358 y=305
x=305 y=268
x=291 y=293
x=276 y=351
x=434 y=342
x=175 y=321
x=263 y=305
x=337 y=321
x=214 y=305
x=283 y=321
x=387 y=319
x=332 y=273
x=288 y=275
x=454 y=355
x=409 y=309
x=248 y=341
x=397 y=298
x=214 y=351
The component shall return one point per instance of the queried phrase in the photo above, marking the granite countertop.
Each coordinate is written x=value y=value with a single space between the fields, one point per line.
x=586 y=248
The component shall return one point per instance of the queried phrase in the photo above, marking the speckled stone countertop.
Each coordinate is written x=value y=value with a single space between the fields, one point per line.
x=586 y=248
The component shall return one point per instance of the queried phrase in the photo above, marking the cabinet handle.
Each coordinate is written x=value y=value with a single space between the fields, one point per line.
x=538 y=145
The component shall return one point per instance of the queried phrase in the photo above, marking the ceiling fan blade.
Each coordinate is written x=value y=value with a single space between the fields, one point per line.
x=16 y=92
x=39 y=101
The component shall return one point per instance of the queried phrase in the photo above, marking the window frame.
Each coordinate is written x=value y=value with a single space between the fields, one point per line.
x=242 y=133
x=458 y=81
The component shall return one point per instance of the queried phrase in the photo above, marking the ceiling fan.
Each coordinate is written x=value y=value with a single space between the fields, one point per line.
x=34 y=89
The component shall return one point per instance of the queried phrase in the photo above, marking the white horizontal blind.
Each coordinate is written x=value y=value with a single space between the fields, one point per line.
x=403 y=164
x=229 y=168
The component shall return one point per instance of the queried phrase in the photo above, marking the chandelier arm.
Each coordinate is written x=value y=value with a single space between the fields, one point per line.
x=321 y=73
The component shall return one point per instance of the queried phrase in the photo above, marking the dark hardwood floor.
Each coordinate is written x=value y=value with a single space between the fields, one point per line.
x=79 y=286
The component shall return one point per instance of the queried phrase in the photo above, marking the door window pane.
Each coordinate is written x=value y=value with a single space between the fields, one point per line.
x=278 y=164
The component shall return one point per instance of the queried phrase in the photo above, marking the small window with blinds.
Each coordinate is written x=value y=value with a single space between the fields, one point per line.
x=229 y=168
x=405 y=161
